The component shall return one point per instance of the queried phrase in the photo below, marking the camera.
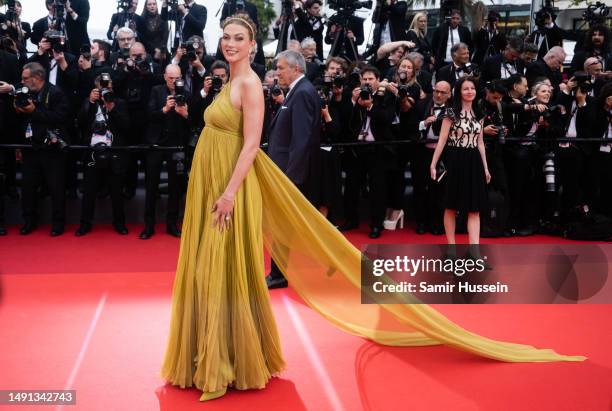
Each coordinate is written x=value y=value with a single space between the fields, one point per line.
x=139 y=65
x=124 y=5
x=191 y=47
x=583 y=81
x=53 y=139
x=547 y=11
x=217 y=84
x=275 y=90
x=105 y=79
x=596 y=13
x=57 y=40
x=179 y=92
x=11 y=14
x=107 y=95
x=549 y=171
x=99 y=127
x=366 y=92
x=354 y=79
x=22 y=97
x=350 y=5
x=412 y=91
x=469 y=69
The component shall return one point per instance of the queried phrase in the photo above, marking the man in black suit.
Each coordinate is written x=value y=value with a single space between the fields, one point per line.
x=42 y=124
x=294 y=133
x=390 y=20
x=502 y=66
x=128 y=19
x=346 y=43
x=42 y=25
x=75 y=24
x=447 y=35
x=488 y=41
x=310 y=24
x=457 y=68
x=168 y=126
x=549 y=67
x=547 y=34
x=192 y=19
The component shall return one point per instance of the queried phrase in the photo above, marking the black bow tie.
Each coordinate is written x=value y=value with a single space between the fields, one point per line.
x=438 y=108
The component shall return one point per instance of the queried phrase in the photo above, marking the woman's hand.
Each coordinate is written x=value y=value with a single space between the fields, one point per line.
x=222 y=212
x=432 y=172
x=487 y=175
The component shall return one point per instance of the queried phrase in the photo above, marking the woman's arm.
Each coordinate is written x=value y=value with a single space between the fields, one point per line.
x=386 y=49
x=483 y=155
x=446 y=123
x=252 y=102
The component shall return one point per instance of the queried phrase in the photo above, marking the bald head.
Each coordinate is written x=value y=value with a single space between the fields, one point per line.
x=138 y=50
x=172 y=73
x=555 y=57
x=442 y=92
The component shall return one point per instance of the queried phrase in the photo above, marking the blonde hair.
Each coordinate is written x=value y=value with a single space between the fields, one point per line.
x=414 y=27
x=243 y=20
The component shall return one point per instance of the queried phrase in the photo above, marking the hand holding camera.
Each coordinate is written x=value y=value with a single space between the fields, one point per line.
x=170 y=104
x=94 y=96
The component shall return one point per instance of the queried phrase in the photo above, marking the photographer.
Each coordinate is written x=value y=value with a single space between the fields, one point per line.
x=44 y=24
x=427 y=192
x=123 y=19
x=597 y=43
x=125 y=40
x=488 y=41
x=347 y=33
x=408 y=93
x=19 y=31
x=389 y=55
x=168 y=126
x=593 y=67
x=529 y=54
x=209 y=88
x=502 y=66
x=272 y=95
x=153 y=29
x=570 y=157
x=42 y=110
x=191 y=57
x=417 y=34
x=390 y=21
x=75 y=23
x=310 y=24
x=133 y=82
x=460 y=66
x=601 y=170
x=449 y=34
x=549 y=67
x=371 y=118
x=192 y=18
x=547 y=34
x=104 y=122
x=92 y=62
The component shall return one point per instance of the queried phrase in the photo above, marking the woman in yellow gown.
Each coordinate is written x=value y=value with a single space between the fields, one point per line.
x=222 y=330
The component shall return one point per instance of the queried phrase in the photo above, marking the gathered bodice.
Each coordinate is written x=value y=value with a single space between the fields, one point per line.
x=465 y=130
x=222 y=115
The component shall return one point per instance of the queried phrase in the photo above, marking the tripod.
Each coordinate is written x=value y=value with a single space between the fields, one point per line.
x=341 y=21
x=287 y=23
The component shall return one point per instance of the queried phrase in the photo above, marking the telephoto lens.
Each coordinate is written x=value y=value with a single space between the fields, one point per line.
x=366 y=92
x=549 y=171
x=179 y=92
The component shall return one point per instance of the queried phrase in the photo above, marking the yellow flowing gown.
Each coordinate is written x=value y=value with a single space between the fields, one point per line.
x=222 y=330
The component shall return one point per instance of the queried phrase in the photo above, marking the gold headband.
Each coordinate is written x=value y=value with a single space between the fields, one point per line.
x=244 y=21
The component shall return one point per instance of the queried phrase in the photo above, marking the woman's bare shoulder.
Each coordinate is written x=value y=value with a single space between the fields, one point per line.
x=250 y=82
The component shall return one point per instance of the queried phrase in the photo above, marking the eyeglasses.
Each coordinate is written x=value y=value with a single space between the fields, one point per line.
x=125 y=38
x=440 y=91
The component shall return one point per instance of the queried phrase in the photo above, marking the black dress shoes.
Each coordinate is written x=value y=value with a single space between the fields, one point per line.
x=82 y=230
x=147 y=233
x=421 y=228
x=173 y=231
x=375 y=233
x=56 y=231
x=27 y=228
x=348 y=225
x=2 y=230
x=120 y=228
x=273 y=283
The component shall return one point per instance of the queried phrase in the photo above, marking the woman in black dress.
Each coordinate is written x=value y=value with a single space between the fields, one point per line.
x=465 y=161
x=153 y=30
x=417 y=33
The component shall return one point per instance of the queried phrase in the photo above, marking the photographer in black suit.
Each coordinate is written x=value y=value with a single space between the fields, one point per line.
x=459 y=67
x=192 y=19
x=488 y=41
x=294 y=132
x=449 y=34
x=347 y=42
x=168 y=126
x=42 y=113
x=77 y=16
x=310 y=24
x=502 y=66
x=104 y=122
x=124 y=19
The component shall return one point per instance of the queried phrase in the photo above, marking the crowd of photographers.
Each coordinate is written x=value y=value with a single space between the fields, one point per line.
x=129 y=90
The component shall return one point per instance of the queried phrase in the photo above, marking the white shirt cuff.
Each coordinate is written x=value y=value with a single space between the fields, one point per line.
x=422 y=126
x=202 y=72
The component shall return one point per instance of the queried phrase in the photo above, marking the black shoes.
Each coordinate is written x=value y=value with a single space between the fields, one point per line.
x=2 y=230
x=375 y=233
x=146 y=233
x=83 y=229
x=28 y=228
x=173 y=231
x=57 y=230
x=120 y=229
x=421 y=228
x=273 y=283
x=348 y=225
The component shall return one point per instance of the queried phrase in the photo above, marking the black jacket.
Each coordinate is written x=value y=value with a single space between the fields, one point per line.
x=540 y=69
x=305 y=28
x=152 y=39
x=491 y=68
x=395 y=16
x=169 y=129
x=440 y=39
x=194 y=21
x=118 y=121
x=52 y=113
x=381 y=116
x=485 y=46
x=553 y=37
x=77 y=29
x=343 y=47
x=67 y=79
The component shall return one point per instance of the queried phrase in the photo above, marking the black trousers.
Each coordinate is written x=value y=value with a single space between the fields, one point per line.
x=524 y=167
x=110 y=169
x=603 y=182
x=570 y=166
x=48 y=165
x=154 y=163
x=359 y=164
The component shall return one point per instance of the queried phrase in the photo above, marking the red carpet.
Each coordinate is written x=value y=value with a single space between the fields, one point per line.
x=92 y=314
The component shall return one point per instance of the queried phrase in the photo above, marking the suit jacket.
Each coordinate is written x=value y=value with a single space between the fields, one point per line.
x=304 y=29
x=118 y=121
x=10 y=73
x=52 y=113
x=395 y=16
x=77 y=29
x=540 y=69
x=67 y=80
x=440 y=39
x=295 y=132
x=343 y=48
x=554 y=37
x=491 y=68
x=38 y=30
x=448 y=74
x=195 y=21
x=485 y=47
x=167 y=129
x=424 y=109
x=249 y=8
